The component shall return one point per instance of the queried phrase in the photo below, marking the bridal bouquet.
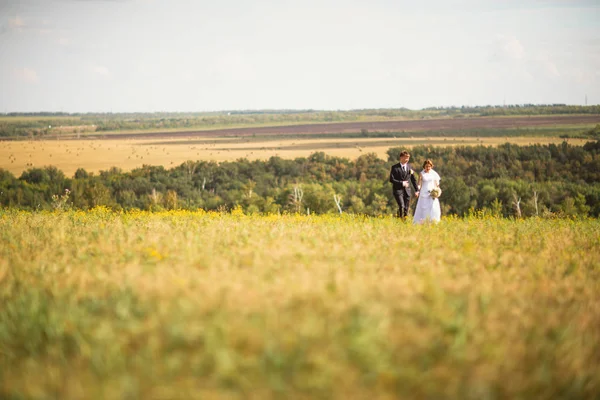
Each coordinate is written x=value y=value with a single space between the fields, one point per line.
x=435 y=192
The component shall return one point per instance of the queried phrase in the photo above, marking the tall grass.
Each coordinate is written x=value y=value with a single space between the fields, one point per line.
x=205 y=305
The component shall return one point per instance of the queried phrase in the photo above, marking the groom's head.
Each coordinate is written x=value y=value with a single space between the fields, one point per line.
x=404 y=157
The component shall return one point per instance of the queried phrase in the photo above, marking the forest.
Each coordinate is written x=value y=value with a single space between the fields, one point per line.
x=507 y=180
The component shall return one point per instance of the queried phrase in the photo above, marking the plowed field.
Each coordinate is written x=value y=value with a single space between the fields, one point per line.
x=383 y=126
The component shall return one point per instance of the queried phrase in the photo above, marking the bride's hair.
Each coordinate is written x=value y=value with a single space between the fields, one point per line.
x=427 y=162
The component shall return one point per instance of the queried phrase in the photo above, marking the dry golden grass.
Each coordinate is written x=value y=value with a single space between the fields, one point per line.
x=205 y=305
x=127 y=154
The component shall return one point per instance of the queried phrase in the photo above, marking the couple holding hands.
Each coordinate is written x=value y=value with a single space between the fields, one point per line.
x=427 y=190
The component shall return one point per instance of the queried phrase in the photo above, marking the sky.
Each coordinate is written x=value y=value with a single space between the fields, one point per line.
x=198 y=55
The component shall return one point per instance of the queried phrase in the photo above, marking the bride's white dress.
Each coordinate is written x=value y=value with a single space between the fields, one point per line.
x=428 y=208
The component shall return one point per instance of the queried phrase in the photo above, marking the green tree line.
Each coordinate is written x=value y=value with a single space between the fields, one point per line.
x=507 y=180
x=518 y=109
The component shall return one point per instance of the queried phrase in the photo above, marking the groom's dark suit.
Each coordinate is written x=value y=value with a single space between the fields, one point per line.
x=401 y=193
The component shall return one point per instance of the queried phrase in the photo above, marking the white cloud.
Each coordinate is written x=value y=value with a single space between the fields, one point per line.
x=550 y=69
x=522 y=4
x=33 y=24
x=100 y=70
x=234 y=66
x=16 y=23
x=584 y=76
x=510 y=47
x=511 y=56
x=566 y=3
x=25 y=74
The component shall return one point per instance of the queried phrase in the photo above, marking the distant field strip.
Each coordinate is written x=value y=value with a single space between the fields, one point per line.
x=400 y=125
x=194 y=305
x=127 y=154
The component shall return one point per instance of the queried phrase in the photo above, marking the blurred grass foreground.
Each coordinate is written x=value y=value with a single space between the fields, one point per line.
x=194 y=305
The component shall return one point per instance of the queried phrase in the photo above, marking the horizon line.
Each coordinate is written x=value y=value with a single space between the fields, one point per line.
x=304 y=110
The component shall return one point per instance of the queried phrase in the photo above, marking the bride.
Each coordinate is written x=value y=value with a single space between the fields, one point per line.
x=428 y=208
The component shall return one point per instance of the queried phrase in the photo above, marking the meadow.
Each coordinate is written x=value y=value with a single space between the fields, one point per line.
x=101 y=304
x=127 y=154
x=76 y=124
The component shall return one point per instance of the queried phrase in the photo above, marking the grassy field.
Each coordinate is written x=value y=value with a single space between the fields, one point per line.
x=205 y=305
x=70 y=126
x=110 y=123
x=127 y=154
x=175 y=122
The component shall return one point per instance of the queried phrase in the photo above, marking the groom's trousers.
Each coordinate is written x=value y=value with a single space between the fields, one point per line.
x=403 y=200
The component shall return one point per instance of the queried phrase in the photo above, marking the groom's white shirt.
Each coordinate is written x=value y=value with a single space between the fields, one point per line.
x=405 y=169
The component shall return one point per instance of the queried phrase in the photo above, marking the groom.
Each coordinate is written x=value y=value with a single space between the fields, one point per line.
x=400 y=175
